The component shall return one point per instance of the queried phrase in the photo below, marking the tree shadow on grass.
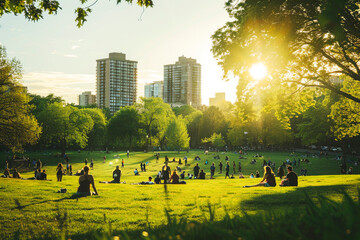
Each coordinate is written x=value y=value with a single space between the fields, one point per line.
x=297 y=197
x=19 y=206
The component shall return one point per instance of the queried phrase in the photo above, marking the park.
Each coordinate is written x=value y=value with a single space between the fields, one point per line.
x=136 y=208
x=152 y=154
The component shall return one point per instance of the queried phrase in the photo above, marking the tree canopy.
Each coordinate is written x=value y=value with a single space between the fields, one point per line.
x=64 y=125
x=18 y=126
x=305 y=42
x=33 y=10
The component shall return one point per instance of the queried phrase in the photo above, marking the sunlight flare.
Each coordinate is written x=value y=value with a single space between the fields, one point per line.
x=258 y=71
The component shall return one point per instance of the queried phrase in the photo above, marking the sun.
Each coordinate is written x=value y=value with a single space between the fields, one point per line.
x=258 y=71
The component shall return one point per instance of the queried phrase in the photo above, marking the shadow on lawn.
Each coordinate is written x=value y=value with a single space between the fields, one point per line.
x=19 y=206
x=297 y=197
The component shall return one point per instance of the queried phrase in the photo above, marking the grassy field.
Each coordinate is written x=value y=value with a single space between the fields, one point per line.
x=33 y=209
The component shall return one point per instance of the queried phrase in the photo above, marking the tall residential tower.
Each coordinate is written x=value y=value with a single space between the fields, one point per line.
x=116 y=81
x=154 y=89
x=182 y=82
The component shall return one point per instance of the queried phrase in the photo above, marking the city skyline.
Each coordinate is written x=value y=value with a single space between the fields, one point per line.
x=60 y=58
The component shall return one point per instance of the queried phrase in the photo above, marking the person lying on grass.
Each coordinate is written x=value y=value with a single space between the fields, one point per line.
x=291 y=178
x=116 y=176
x=268 y=179
x=84 y=182
x=6 y=173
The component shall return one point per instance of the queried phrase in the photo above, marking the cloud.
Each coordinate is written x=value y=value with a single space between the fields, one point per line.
x=70 y=55
x=68 y=86
x=15 y=30
x=74 y=47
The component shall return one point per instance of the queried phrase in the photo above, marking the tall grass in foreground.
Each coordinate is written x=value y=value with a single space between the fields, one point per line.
x=325 y=219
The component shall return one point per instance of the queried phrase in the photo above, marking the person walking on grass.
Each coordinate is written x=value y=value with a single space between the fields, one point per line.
x=122 y=163
x=268 y=179
x=196 y=170
x=212 y=170
x=227 y=170
x=86 y=161
x=166 y=172
x=234 y=167
x=92 y=164
x=59 y=172
x=220 y=166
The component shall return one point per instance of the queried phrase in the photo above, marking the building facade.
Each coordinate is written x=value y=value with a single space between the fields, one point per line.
x=116 y=80
x=86 y=99
x=218 y=101
x=182 y=83
x=154 y=89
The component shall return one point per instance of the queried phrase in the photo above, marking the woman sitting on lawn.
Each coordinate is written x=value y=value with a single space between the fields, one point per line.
x=174 y=179
x=268 y=179
x=85 y=181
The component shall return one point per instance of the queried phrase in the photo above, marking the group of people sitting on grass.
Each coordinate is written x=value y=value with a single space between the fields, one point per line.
x=268 y=180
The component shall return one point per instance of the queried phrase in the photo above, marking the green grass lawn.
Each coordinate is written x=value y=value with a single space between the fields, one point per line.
x=33 y=209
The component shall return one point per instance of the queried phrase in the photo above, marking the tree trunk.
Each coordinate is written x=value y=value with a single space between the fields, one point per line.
x=63 y=148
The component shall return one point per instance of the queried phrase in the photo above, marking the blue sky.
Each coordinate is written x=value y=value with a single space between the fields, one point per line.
x=59 y=58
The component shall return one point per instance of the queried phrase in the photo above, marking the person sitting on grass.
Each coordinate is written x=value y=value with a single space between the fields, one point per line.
x=16 y=174
x=252 y=175
x=116 y=176
x=202 y=174
x=182 y=175
x=232 y=176
x=257 y=174
x=6 y=173
x=268 y=179
x=136 y=172
x=281 y=172
x=241 y=175
x=157 y=179
x=85 y=181
x=291 y=178
x=174 y=179
x=43 y=175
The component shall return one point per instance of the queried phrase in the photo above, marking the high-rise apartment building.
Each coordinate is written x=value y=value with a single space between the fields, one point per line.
x=116 y=80
x=218 y=101
x=154 y=89
x=182 y=82
x=86 y=99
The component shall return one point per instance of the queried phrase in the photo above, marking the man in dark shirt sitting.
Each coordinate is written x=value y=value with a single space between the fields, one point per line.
x=43 y=175
x=291 y=178
x=202 y=174
x=157 y=179
x=116 y=175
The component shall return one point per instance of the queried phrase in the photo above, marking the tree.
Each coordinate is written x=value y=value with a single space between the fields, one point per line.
x=123 y=127
x=96 y=137
x=65 y=125
x=40 y=103
x=183 y=110
x=216 y=140
x=18 y=126
x=155 y=116
x=213 y=121
x=33 y=10
x=304 y=42
x=176 y=134
x=193 y=122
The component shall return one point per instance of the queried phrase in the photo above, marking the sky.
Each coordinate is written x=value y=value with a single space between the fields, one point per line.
x=57 y=57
